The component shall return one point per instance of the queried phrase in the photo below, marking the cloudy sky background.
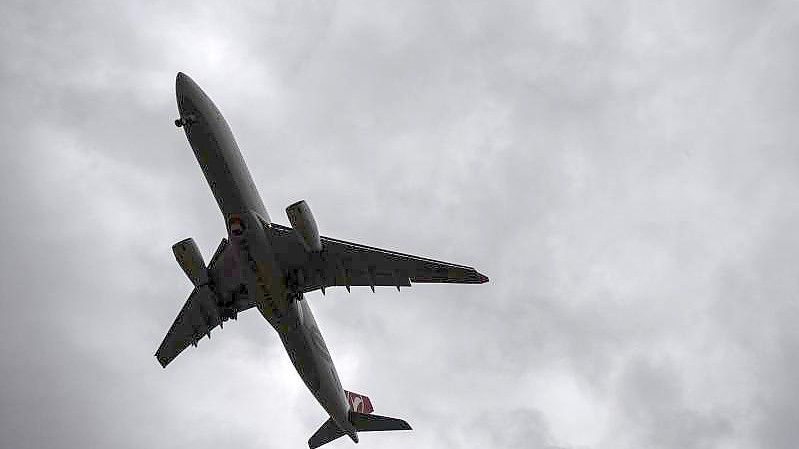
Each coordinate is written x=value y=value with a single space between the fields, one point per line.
x=625 y=173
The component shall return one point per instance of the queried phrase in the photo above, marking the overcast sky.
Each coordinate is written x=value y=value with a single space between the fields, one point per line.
x=626 y=175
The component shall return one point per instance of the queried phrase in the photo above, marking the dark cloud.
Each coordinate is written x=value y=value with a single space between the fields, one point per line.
x=624 y=173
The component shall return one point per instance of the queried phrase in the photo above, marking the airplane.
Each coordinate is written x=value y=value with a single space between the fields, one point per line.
x=270 y=267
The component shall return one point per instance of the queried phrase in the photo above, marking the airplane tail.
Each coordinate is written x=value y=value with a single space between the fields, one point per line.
x=327 y=433
x=362 y=420
x=366 y=422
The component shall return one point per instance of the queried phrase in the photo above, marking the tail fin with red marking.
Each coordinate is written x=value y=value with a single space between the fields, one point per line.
x=359 y=403
x=360 y=415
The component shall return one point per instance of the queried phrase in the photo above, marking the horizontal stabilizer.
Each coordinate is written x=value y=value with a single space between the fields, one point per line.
x=365 y=422
x=327 y=433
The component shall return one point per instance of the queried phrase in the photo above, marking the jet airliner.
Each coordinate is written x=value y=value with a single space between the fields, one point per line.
x=270 y=267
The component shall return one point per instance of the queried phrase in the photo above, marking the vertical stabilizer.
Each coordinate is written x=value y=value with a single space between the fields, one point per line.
x=358 y=402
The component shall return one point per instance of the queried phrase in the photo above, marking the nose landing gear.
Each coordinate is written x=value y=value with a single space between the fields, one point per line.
x=185 y=121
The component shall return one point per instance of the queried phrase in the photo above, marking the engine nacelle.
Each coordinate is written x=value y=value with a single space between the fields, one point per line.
x=304 y=225
x=191 y=261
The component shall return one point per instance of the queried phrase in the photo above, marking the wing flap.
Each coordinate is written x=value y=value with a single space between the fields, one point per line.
x=344 y=263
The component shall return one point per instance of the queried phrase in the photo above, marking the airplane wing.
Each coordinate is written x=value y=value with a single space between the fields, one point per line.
x=201 y=314
x=350 y=264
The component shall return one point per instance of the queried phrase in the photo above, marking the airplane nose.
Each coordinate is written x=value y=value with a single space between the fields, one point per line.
x=183 y=92
x=193 y=104
x=181 y=81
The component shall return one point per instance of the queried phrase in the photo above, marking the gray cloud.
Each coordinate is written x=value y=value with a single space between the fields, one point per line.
x=624 y=173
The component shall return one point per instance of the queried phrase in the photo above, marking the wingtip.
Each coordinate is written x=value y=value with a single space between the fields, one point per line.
x=483 y=278
x=161 y=361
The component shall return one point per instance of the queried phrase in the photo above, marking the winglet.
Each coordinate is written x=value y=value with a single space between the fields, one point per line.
x=163 y=361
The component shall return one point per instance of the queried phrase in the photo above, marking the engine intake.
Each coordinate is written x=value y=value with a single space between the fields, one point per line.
x=191 y=261
x=304 y=226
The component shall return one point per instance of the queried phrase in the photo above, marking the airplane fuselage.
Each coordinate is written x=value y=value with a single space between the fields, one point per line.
x=249 y=231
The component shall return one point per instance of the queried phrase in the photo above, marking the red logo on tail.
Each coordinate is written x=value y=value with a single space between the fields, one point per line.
x=359 y=403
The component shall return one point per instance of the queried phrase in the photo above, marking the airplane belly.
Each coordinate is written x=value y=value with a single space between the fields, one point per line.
x=311 y=359
x=263 y=274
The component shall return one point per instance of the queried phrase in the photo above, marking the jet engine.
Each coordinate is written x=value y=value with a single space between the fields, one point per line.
x=191 y=261
x=304 y=226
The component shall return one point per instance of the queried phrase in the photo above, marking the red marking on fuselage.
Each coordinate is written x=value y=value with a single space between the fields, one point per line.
x=236 y=228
